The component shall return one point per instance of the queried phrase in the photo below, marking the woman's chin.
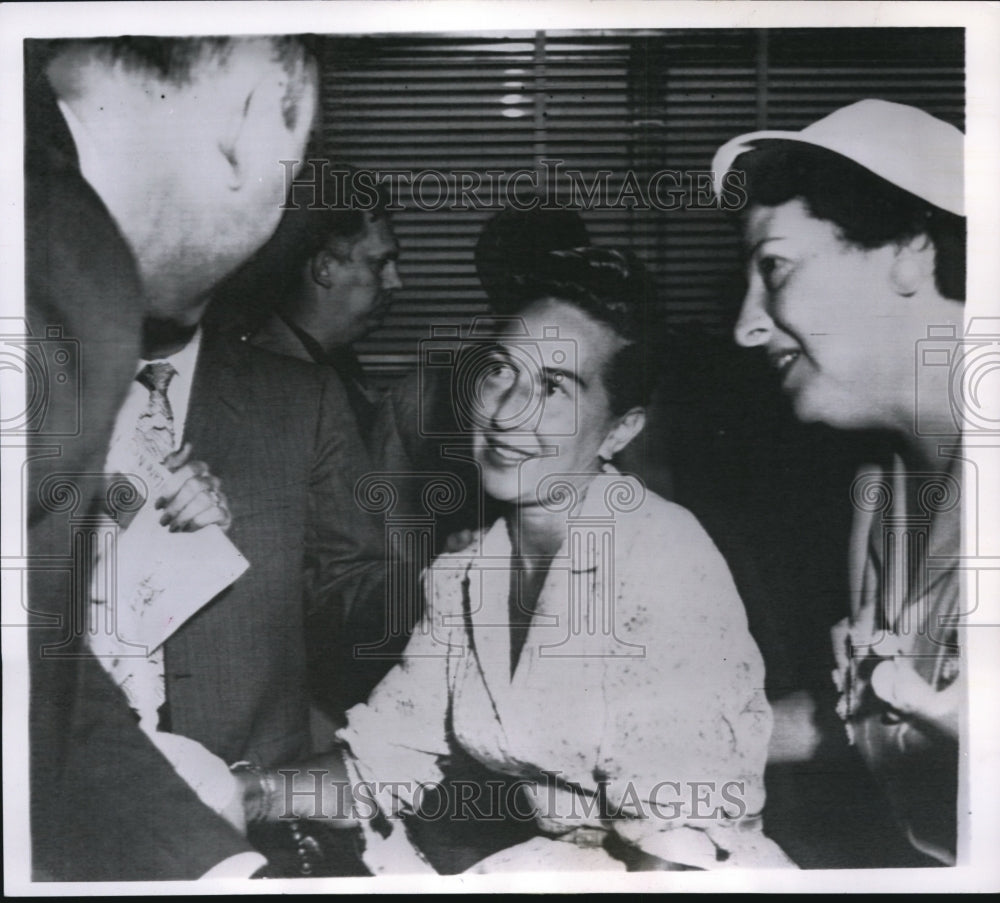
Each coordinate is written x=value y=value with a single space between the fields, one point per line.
x=504 y=486
x=840 y=414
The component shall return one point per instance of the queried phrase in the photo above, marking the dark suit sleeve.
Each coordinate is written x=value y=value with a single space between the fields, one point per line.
x=113 y=809
x=346 y=565
x=105 y=804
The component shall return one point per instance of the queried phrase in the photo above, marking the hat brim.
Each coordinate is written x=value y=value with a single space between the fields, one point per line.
x=726 y=155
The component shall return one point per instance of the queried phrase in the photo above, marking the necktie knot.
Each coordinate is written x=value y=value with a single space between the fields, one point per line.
x=155 y=427
x=156 y=376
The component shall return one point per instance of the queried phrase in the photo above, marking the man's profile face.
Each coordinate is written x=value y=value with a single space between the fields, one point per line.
x=277 y=125
x=362 y=284
x=231 y=128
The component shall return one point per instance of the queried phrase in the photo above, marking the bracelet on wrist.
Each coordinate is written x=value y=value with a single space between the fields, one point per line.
x=258 y=802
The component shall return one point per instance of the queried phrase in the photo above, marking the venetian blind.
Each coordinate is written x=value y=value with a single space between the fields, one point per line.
x=633 y=118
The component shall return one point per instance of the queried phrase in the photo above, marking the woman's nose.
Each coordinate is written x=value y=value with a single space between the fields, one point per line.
x=512 y=406
x=754 y=324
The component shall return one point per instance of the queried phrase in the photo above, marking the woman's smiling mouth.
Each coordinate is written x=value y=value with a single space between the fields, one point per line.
x=504 y=453
x=782 y=361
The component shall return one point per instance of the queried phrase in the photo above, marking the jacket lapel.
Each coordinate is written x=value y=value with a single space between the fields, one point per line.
x=218 y=402
x=489 y=583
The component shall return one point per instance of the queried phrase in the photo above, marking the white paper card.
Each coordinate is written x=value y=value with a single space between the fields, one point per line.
x=164 y=578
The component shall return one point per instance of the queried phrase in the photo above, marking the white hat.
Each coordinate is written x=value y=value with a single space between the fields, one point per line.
x=905 y=146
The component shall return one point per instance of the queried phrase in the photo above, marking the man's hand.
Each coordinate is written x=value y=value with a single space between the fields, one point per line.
x=191 y=497
x=896 y=683
x=314 y=789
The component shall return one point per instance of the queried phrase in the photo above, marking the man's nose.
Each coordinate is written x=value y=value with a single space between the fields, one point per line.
x=754 y=324
x=390 y=277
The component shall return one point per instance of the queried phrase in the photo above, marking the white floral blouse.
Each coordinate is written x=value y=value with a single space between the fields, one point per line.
x=637 y=705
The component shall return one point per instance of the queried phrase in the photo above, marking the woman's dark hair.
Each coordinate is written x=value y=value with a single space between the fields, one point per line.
x=614 y=288
x=514 y=244
x=869 y=211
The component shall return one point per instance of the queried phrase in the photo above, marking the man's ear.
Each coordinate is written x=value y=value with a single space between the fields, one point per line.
x=232 y=138
x=257 y=107
x=912 y=265
x=321 y=267
x=629 y=425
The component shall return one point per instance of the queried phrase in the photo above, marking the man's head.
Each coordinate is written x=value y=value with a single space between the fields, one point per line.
x=353 y=281
x=331 y=264
x=350 y=270
x=182 y=138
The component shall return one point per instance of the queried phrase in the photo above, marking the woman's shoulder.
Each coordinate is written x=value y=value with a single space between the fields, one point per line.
x=663 y=547
x=652 y=517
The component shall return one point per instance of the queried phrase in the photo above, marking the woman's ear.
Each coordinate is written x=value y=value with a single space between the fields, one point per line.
x=912 y=266
x=629 y=425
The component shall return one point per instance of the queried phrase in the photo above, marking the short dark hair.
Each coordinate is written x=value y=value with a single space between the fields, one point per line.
x=332 y=214
x=614 y=288
x=869 y=211
x=335 y=214
x=172 y=59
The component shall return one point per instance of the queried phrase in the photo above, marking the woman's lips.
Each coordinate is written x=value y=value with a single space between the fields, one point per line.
x=783 y=361
x=506 y=454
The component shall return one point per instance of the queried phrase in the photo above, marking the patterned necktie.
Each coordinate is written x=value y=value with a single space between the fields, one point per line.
x=155 y=427
x=141 y=676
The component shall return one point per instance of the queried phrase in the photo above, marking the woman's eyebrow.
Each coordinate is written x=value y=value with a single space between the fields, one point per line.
x=565 y=374
x=756 y=247
x=497 y=347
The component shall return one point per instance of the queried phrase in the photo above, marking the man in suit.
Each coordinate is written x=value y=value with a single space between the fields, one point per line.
x=323 y=282
x=279 y=438
x=152 y=172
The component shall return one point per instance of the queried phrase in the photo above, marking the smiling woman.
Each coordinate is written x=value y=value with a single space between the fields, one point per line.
x=589 y=644
x=855 y=233
x=549 y=412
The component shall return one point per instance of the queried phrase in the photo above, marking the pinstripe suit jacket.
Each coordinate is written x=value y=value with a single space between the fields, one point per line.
x=280 y=436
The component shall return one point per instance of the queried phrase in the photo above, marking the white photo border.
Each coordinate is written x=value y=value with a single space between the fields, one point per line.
x=980 y=868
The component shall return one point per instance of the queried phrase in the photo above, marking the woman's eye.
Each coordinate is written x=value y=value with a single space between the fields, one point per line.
x=554 y=383
x=499 y=372
x=774 y=271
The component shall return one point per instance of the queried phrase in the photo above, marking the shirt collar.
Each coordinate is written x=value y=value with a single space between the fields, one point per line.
x=182 y=361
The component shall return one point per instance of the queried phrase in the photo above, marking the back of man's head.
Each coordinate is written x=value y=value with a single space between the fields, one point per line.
x=329 y=208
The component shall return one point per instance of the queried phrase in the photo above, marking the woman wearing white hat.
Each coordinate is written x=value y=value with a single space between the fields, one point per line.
x=855 y=238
